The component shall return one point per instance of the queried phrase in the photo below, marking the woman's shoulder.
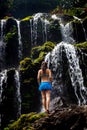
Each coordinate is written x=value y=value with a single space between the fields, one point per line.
x=48 y=70
x=40 y=70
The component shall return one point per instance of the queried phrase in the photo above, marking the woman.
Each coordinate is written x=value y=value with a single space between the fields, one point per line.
x=44 y=78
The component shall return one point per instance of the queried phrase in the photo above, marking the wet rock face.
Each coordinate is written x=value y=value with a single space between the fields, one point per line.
x=70 y=118
x=11 y=41
x=25 y=31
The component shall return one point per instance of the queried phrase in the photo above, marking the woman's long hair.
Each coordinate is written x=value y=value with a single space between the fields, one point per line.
x=44 y=66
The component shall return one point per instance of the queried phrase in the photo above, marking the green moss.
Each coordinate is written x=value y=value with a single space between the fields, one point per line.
x=70 y=12
x=42 y=50
x=6 y=128
x=38 y=61
x=75 y=11
x=25 y=64
x=42 y=54
x=25 y=120
x=81 y=45
x=7 y=17
x=10 y=35
x=50 y=45
x=27 y=18
x=28 y=80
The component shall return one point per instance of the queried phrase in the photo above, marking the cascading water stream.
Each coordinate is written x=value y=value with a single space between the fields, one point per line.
x=66 y=31
x=3 y=79
x=3 y=22
x=54 y=60
x=17 y=95
x=45 y=29
x=76 y=74
x=2 y=45
x=19 y=40
x=34 y=28
x=56 y=18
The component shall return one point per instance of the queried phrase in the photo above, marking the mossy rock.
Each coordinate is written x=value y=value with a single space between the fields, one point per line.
x=81 y=45
x=25 y=64
x=48 y=46
x=25 y=121
x=27 y=18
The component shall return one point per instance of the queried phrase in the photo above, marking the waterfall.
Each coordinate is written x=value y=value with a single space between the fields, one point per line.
x=3 y=79
x=4 y=71
x=46 y=28
x=34 y=28
x=19 y=40
x=67 y=33
x=40 y=27
x=76 y=74
x=2 y=45
x=55 y=62
x=3 y=22
x=39 y=17
x=55 y=17
x=18 y=95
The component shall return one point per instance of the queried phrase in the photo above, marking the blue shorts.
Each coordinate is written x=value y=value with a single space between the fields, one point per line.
x=45 y=86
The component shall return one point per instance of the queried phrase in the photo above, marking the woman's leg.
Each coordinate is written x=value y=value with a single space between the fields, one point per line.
x=47 y=99
x=43 y=99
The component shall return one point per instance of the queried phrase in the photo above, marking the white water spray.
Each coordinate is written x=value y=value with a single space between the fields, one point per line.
x=3 y=79
x=75 y=73
x=2 y=45
x=66 y=31
x=18 y=95
x=39 y=17
x=19 y=40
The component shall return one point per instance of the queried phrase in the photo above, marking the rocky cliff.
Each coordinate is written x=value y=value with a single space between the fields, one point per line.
x=69 y=118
